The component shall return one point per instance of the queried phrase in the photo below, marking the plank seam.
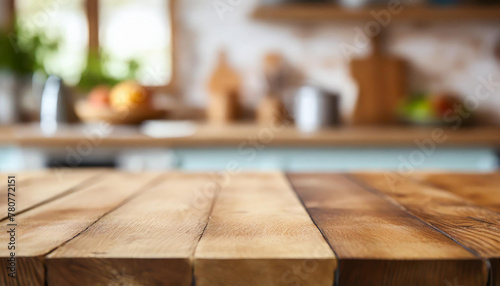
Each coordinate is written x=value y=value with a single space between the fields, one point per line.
x=69 y=191
x=337 y=269
x=212 y=206
x=445 y=189
x=394 y=202
x=148 y=185
x=131 y=197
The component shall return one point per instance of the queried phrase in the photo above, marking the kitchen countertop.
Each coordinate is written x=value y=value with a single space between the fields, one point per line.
x=104 y=227
x=207 y=135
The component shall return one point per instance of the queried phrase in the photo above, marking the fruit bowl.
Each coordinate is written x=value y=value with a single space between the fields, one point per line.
x=91 y=113
x=126 y=103
x=435 y=109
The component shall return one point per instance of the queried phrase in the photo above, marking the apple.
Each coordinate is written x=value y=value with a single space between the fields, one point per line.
x=99 y=96
x=444 y=103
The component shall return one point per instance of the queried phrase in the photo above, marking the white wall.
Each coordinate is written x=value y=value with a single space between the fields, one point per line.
x=442 y=56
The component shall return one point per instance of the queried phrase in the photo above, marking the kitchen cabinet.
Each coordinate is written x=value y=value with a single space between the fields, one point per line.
x=338 y=159
x=287 y=159
x=11 y=158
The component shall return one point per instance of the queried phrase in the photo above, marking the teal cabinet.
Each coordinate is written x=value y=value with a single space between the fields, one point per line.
x=337 y=159
x=11 y=159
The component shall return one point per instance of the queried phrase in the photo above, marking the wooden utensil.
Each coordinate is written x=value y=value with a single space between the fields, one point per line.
x=223 y=108
x=271 y=109
x=224 y=89
x=382 y=83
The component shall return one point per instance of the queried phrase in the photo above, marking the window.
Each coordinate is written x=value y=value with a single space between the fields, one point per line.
x=65 y=24
x=137 y=30
x=127 y=33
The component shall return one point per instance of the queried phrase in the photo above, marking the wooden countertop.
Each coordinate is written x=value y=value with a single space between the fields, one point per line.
x=233 y=135
x=104 y=227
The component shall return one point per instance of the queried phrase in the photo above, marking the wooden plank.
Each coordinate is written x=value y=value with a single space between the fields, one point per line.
x=472 y=226
x=379 y=244
x=42 y=229
x=20 y=177
x=38 y=187
x=260 y=234
x=480 y=189
x=149 y=240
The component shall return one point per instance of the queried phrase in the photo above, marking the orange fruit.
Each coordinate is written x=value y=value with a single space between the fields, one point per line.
x=129 y=95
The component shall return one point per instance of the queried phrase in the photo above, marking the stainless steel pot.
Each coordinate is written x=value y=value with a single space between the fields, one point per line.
x=315 y=108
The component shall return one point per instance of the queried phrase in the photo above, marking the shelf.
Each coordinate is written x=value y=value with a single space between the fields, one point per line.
x=207 y=135
x=329 y=12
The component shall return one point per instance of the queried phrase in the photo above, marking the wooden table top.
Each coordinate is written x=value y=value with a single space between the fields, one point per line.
x=104 y=227
x=206 y=135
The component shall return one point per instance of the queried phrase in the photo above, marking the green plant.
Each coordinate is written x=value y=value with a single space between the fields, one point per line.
x=95 y=74
x=12 y=57
x=23 y=52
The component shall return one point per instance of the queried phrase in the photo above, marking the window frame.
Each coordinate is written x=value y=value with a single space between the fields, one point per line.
x=92 y=13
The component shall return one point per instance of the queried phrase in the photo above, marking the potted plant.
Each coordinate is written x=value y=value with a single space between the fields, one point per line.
x=22 y=56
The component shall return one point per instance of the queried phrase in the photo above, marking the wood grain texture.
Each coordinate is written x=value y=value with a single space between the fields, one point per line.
x=46 y=227
x=150 y=240
x=20 y=178
x=260 y=234
x=472 y=226
x=377 y=243
x=38 y=187
x=143 y=229
x=480 y=189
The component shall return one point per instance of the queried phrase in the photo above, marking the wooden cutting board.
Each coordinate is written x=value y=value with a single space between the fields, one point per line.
x=382 y=84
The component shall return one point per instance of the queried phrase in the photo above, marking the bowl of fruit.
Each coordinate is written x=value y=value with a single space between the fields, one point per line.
x=126 y=103
x=435 y=109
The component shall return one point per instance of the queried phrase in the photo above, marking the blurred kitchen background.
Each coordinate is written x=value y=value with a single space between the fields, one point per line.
x=318 y=85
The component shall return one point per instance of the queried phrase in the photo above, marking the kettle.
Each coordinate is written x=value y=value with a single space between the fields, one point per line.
x=56 y=106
